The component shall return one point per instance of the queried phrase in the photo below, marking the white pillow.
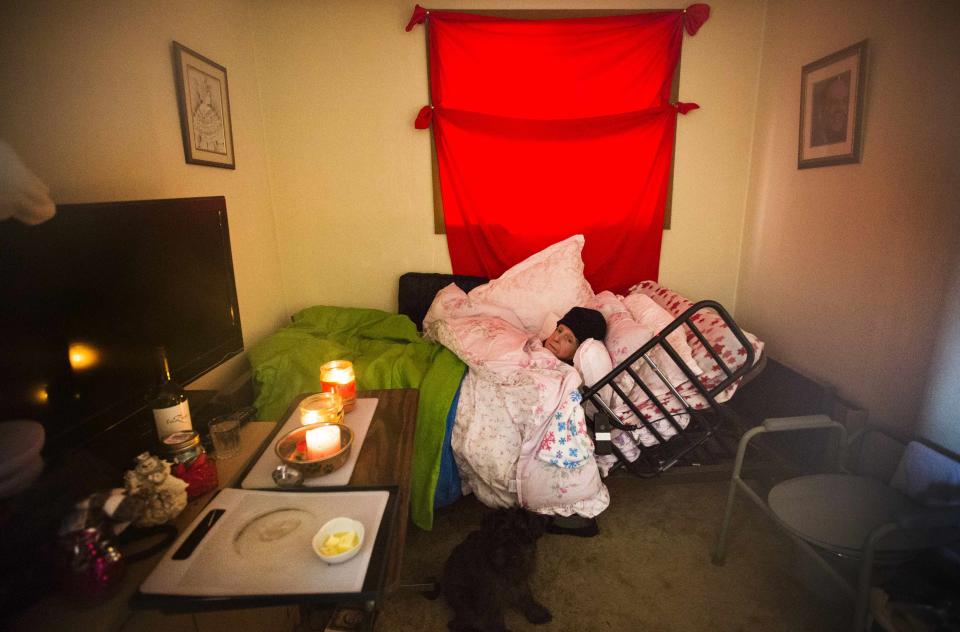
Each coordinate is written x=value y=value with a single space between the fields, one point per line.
x=549 y=281
x=593 y=362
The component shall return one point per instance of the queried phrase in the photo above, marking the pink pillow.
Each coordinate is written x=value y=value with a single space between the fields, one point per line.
x=549 y=325
x=452 y=302
x=608 y=304
x=626 y=334
x=648 y=313
x=549 y=281
x=713 y=328
x=449 y=302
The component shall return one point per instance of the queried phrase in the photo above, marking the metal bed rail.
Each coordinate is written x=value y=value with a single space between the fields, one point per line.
x=699 y=428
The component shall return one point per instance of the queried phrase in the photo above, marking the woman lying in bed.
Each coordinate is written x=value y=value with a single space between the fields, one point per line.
x=520 y=435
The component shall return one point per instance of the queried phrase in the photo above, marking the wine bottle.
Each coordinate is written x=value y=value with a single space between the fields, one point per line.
x=171 y=410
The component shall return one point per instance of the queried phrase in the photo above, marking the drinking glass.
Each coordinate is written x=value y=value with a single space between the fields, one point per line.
x=225 y=431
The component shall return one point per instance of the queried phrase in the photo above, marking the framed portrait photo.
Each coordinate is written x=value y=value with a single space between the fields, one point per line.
x=204 y=103
x=831 y=108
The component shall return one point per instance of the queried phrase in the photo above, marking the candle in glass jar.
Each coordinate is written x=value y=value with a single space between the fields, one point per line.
x=338 y=377
x=323 y=442
x=321 y=408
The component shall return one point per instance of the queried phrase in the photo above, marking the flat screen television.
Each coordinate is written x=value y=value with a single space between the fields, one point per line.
x=86 y=297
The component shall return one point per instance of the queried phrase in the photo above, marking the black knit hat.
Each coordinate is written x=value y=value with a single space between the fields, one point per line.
x=585 y=323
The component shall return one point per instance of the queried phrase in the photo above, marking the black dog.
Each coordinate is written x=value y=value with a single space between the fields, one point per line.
x=491 y=570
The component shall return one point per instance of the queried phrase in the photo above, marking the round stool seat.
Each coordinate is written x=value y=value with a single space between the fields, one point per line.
x=838 y=511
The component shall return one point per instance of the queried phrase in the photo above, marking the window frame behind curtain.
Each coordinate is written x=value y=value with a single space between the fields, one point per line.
x=439 y=227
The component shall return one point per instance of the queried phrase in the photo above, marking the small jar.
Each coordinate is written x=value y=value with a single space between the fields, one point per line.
x=92 y=566
x=190 y=462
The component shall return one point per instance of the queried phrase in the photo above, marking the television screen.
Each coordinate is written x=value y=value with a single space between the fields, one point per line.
x=86 y=297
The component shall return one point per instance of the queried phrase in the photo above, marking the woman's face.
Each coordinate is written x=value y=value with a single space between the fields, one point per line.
x=562 y=343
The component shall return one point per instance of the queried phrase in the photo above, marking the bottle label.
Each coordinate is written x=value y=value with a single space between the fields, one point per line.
x=172 y=419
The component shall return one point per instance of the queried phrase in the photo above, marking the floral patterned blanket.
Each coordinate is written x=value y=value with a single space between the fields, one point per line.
x=520 y=436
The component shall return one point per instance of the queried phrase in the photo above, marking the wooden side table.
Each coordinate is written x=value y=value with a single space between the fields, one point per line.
x=385 y=459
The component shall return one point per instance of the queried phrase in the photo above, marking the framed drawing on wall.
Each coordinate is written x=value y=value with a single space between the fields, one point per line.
x=204 y=104
x=831 y=108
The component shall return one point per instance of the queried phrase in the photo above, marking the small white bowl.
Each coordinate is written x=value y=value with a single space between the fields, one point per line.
x=336 y=526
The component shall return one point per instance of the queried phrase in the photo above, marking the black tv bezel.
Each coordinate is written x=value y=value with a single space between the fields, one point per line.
x=124 y=410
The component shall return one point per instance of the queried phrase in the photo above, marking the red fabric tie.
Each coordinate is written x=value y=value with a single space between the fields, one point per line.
x=694 y=17
x=419 y=17
x=424 y=118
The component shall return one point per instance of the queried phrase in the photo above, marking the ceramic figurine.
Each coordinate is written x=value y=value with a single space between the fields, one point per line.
x=165 y=495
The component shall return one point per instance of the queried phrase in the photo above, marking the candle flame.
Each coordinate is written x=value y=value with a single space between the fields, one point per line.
x=339 y=371
x=340 y=376
x=83 y=356
x=40 y=394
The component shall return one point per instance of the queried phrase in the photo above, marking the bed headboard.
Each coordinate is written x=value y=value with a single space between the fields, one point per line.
x=417 y=290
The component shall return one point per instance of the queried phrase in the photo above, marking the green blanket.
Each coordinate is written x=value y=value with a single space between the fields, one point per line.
x=387 y=352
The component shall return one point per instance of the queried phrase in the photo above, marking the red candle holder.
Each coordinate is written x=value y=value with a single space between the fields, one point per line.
x=338 y=377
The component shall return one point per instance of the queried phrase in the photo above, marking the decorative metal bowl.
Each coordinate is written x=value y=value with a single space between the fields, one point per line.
x=292 y=450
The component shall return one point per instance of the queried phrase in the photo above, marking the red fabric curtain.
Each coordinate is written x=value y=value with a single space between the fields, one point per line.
x=548 y=128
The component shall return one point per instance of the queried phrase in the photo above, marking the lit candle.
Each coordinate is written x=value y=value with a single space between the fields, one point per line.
x=338 y=377
x=321 y=408
x=323 y=442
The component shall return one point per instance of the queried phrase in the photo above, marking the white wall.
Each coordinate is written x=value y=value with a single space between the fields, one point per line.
x=719 y=71
x=89 y=103
x=941 y=419
x=342 y=83
x=845 y=268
